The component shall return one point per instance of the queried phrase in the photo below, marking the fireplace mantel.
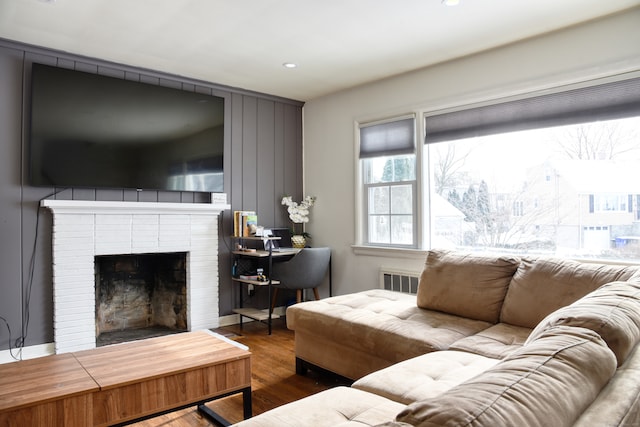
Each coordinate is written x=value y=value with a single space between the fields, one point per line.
x=105 y=207
x=85 y=229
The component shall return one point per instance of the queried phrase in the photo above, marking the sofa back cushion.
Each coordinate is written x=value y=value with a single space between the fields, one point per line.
x=548 y=382
x=542 y=285
x=612 y=311
x=467 y=285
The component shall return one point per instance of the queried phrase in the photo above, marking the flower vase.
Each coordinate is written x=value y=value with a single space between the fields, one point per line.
x=298 y=241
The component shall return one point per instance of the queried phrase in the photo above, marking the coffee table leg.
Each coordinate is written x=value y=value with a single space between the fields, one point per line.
x=219 y=420
x=213 y=416
x=246 y=403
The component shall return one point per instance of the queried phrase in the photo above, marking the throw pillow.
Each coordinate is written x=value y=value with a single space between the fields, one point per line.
x=612 y=311
x=467 y=285
x=542 y=285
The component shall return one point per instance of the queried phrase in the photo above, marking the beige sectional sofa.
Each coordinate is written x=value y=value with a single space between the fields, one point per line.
x=487 y=341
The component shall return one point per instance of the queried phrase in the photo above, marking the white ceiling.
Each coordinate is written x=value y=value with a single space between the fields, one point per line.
x=243 y=43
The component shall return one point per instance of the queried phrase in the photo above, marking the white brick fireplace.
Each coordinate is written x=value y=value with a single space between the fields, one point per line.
x=85 y=229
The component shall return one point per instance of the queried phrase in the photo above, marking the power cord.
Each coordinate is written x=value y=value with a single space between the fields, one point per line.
x=15 y=357
x=221 y=229
x=21 y=340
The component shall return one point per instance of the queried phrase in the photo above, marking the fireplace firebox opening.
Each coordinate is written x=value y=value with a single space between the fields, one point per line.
x=140 y=296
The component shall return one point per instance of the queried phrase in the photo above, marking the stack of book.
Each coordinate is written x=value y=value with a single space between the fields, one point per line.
x=244 y=223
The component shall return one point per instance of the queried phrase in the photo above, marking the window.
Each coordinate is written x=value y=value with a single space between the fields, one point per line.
x=478 y=178
x=609 y=203
x=389 y=185
x=556 y=174
x=518 y=208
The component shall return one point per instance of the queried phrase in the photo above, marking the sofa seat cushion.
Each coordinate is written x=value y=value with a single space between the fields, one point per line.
x=424 y=376
x=543 y=285
x=612 y=311
x=385 y=323
x=335 y=407
x=548 y=382
x=468 y=285
x=497 y=341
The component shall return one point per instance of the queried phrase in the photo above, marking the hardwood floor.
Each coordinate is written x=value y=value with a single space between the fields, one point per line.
x=274 y=381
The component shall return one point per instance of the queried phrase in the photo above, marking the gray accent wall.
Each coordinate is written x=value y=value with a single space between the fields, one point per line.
x=263 y=162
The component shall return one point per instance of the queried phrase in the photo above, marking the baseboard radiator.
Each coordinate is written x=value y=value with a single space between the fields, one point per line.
x=399 y=280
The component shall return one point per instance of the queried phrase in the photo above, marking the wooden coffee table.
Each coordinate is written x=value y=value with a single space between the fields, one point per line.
x=142 y=379
x=123 y=383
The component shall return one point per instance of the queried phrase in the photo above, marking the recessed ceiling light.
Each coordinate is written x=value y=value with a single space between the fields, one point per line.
x=290 y=65
x=450 y=2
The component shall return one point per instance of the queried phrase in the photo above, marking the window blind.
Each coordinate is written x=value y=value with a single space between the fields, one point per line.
x=388 y=139
x=607 y=101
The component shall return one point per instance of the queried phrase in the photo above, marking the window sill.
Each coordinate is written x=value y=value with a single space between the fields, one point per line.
x=421 y=254
x=389 y=252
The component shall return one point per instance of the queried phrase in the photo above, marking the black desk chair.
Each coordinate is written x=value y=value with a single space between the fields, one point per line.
x=306 y=270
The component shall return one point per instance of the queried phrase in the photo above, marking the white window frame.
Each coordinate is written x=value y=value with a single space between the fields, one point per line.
x=362 y=212
x=367 y=223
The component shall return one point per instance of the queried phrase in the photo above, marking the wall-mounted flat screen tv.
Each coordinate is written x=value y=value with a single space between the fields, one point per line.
x=93 y=131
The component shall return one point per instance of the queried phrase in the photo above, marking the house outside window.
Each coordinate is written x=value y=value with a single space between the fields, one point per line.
x=389 y=184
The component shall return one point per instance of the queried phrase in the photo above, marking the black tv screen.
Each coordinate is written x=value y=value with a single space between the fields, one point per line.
x=88 y=130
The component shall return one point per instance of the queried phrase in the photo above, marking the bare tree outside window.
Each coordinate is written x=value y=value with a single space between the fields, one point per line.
x=448 y=168
x=597 y=141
